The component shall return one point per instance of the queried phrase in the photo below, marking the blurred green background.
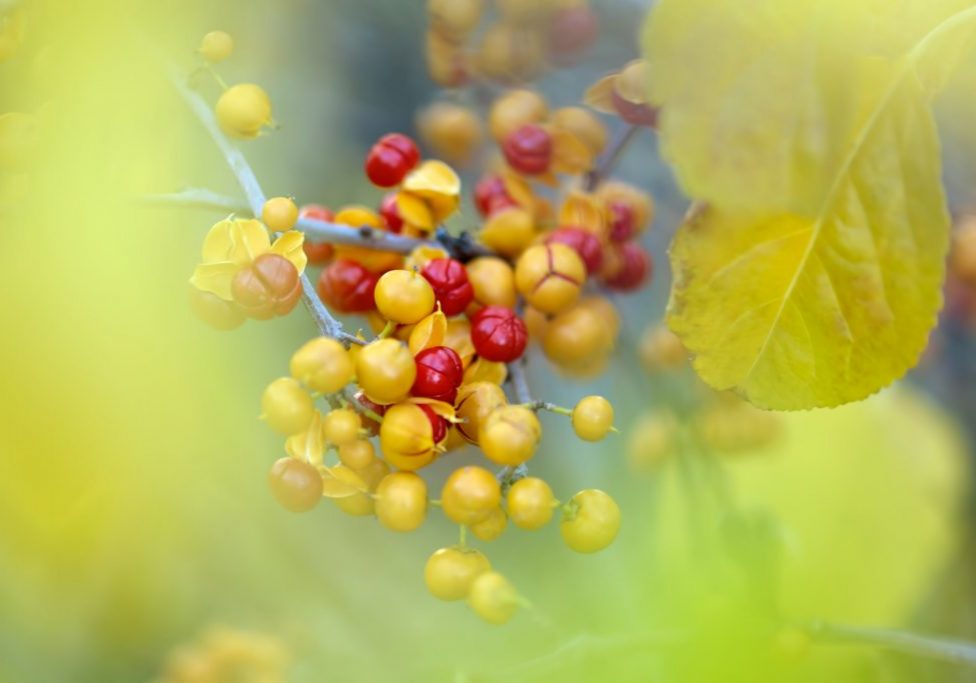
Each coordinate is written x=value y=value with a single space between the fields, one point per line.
x=134 y=514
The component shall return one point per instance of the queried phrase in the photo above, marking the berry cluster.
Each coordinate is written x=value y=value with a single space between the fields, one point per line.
x=451 y=317
x=961 y=281
x=505 y=41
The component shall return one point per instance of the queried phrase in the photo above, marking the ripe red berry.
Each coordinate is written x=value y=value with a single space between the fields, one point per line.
x=390 y=212
x=438 y=425
x=635 y=268
x=318 y=253
x=528 y=149
x=268 y=287
x=623 y=221
x=347 y=287
x=439 y=374
x=390 y=159
x=572 y=30
x=449 y=279
x=498 y=334
x=491 y=195
x=586 y=244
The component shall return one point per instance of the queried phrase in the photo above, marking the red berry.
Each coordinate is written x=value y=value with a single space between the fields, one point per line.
x=491 y=195
x=390 y=159
x=347 y=287
x=498 y=334
x=623 y=221
x=586 y=244
x=528 y=149
x=391 y=213
x=449 y=278
x=318 y=253
x=635 y=268
x=572 y=30
x=439 y=374
x=438 y=424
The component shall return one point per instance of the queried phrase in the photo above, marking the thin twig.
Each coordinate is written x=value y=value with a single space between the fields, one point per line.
x=609 y=160
x=327 y=324
x=945 y=649
x=198 y=198
x=520 y=385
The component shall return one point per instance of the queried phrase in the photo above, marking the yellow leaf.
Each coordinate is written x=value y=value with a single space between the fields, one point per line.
x=215 y=278
x=812 y=276
x=599 y=96
x=289 y=245
x=415 y=211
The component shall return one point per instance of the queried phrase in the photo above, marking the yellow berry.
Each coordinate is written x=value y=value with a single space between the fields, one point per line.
x=404 y=297
x=510 y=54
x=474 y=403
x=493 y=282
x=576 y=337
x=243 y=110
x=401 y=501
x=296 y=484
x=452 y=131
x=323 y=365
x=359 y=504
x=492 y=526
x=515 y=109
x=493 y=598
x=286 y=407
x=458 y=337
x=407 y=437
x=357 y=454
x=592 y=418
x=510 y=435
x=584 y=125
x=449 y=572
x=550 y=277
x=531 y=503
x=470 y=494
x=455 y=18
x=652 y=440
x=374 y=473
x=216 y=46
x=482 y=370
x=385 y=370
x=508 y=231
x=591 y=522
x=660 y=349
x=280 y=214
x=341 y=426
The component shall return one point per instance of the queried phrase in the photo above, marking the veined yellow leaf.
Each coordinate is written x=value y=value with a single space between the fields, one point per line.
x=811 y=275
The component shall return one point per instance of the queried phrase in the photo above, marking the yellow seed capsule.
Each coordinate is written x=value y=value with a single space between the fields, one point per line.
x=493 y=282
x=452 y=131
x=508 y=231
x=592 y=521
x=280 y=214
x=660 y=349
x=531 y=503
x=592 y=418
x=357 y=454
x=470 y=494
x=243 y=110
x=449 y=572
x=576 y=337
x=407 y=437
x=492 y=526
x=341 y=426
x=493 y=598
x=216 y=46
x=401 y=501
x=550 y=277
x=286 y=407
x=455 y=19
x=323 y=365
x=584 y=125
x=474 y=403
x=510 y=54
x=510 y=435
x=515 y=109
x=385 y=370
x=458 y=337
x=359 y=504
x=404 y=297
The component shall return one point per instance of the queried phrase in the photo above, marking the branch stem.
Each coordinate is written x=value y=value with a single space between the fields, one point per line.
x=610 y=159
x=945 y=649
